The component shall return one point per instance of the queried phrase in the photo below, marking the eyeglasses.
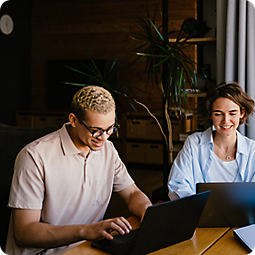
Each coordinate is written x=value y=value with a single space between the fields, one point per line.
x=97 y=133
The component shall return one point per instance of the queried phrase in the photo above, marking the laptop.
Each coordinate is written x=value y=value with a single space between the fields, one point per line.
x=246 y=236
x=163 y=225
x=231 y=204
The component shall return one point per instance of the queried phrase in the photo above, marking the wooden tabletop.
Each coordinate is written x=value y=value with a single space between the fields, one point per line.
x=228 y=244
x=201 y=241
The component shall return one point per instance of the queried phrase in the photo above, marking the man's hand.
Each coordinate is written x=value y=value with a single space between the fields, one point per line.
x=30 y=232
x=104 y=228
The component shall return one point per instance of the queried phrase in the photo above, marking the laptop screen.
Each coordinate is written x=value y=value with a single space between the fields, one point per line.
x=231 y=204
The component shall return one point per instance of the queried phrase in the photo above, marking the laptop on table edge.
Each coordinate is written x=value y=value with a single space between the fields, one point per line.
x=231 y=204
x=163 y=225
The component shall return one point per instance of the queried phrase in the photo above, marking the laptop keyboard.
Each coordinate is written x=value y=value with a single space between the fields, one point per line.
x=123 y=248
x=120 y=245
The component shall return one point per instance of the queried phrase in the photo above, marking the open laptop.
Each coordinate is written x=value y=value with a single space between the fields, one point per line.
x=163 y=225
x=246 y=236
x=231 y=204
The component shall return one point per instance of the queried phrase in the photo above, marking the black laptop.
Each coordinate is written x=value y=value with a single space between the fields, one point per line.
x=231 y=204
x=163 y=225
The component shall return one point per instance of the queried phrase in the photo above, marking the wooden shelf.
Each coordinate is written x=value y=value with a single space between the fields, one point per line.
x=142 y=141
x=199 y=94
x=198 y=41
x=40 y=118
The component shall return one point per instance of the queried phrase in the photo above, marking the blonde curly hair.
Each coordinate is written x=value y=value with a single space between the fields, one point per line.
x=94 y=98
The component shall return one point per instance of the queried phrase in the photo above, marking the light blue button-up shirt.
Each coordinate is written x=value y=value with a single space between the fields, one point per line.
x=193 y=162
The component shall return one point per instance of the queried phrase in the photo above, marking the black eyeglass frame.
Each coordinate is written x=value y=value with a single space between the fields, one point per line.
x=114 y=129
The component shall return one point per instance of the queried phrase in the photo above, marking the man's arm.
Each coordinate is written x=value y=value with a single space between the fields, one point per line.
x=29 y=232
x=135 y=199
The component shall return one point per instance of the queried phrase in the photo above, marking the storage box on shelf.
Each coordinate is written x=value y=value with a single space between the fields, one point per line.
x=140 y=128
x=145 y=153
x=117 y=141
x=40 y=119
x=142 y=140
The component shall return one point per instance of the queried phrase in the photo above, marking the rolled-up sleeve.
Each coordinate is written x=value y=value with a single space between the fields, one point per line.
x=181 y=177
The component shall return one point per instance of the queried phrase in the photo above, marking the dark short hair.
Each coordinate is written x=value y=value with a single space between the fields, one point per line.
x=231 y=90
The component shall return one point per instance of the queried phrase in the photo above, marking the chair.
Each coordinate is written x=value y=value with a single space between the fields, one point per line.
x=161 y=194
x=13 y=139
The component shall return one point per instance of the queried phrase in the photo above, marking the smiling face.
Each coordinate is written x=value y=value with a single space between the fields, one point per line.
x=226 y=116
x=83 y=138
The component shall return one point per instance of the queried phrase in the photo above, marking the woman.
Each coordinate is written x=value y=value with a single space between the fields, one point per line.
x=220 y=153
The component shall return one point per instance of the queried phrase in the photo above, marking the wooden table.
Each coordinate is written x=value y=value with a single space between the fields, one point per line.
x=208 y=241
x=228 y=244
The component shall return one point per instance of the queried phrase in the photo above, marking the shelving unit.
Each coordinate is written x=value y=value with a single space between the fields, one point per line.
x=140 y=138
x=40 y=119
x=193 y=99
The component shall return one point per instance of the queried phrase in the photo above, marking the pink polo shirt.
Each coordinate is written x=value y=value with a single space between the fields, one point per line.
x=52 y=175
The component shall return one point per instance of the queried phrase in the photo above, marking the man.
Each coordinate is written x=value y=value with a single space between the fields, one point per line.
x=63 y=182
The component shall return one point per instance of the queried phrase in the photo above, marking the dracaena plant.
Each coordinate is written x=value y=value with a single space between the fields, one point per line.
x=162 y=57
x=167 y=59
x=104 y=77
x=123 y=94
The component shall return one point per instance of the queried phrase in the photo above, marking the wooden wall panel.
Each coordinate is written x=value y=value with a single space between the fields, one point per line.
x=63 y=29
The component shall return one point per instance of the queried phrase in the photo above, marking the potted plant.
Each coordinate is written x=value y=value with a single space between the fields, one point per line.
x=164 y=58
x=104 y=77
x=168 y=66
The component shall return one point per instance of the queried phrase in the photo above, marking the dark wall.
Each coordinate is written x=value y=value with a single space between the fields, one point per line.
x=55 y=29
x=15 y=61
x=64 y=30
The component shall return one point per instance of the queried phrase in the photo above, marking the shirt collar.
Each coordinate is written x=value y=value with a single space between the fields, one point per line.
x=241 y=144
x=67 y=144
x=207 y=137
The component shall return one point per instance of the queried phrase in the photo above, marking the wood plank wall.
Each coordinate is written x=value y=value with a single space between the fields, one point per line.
x=63 y=29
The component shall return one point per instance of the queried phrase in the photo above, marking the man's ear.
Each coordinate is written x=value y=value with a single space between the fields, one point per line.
x=73 y=119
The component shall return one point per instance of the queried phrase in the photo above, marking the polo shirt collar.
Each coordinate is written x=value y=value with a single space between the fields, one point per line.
x=67 y=144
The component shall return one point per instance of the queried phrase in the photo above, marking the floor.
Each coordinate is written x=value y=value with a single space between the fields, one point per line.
x=147 y=180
